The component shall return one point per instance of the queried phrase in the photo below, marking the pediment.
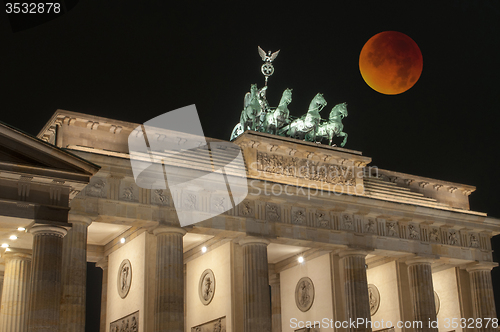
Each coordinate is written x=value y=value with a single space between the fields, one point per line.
x=20 y=151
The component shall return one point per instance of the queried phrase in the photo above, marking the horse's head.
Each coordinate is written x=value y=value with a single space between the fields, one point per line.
x=287 y=95
x=319 y=100
x=339 y=109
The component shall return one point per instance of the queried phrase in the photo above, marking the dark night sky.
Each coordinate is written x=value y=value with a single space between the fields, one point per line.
x=134 y=60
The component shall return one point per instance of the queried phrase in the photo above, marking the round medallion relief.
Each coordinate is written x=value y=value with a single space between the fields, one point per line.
x=437 y=302
x=206 y=288
x=304 y=294
x=124 y=278
x=374 y=298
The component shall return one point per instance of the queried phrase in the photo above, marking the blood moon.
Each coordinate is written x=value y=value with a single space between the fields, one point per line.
x=390 y=62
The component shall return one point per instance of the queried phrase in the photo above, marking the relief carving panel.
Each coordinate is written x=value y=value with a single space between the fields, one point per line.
x=247 y=209
x=217 y=325
x=299 y=216
x=128 y=323
x=374 y=298
x=305 y=169
x=96 y=188
x=124 y=278
x=322 y=220
x=304 y=294
x=206 y=287
x=273 y=212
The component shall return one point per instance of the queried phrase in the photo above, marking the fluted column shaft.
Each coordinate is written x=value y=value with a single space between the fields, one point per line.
x=357 y=303
x=169 y=305
x=422 y=293
x=483 y=300
x=45 y=302
x=256 y=297
x=274 y=282
x=103 y=264
x=74 y=275
x=15 y=296
x=1 y=283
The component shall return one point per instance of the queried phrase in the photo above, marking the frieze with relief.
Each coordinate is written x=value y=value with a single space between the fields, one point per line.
x=216 y=325
x=347 y=222
x=128 y=323
x=273 y=212
x=305 y=169
x=218 y=204
x=247 y=209
x=392 y=228
x=322 y=219
x=434 y=235
x=96 y=188
x=299 y=216
x=453 y=238
x=160 y=197
x=413 y=232
x=370 y=226
x=190 y=202
x=473 y=240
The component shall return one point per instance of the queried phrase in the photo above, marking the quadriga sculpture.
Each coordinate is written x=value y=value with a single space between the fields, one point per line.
x=333 y=127
x=275 y=119
x=306 y=126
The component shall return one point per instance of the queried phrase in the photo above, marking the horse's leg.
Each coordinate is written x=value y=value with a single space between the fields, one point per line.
x=342 y=134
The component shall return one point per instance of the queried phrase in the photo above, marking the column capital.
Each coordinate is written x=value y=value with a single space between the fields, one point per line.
x=254 y=240
x=168 y=229
x=421 y=260
x=102 y=263
x=274 y=279
x=79 y=218
x=481 y=266
x=40 y=229
x=354 y=252
x=17 y=253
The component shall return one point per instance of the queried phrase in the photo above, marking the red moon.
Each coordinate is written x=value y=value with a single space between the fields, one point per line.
x=390 y=62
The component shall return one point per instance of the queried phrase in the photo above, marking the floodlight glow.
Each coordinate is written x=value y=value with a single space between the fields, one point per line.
x=21 y=229
x=5 y=245
x=301 y=259
x=13 y=237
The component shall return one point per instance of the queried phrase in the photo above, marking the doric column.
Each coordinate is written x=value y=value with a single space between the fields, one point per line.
x=103 y=264
x=45 y=301
x=1 y=283
x=274 y=282
x=74 y=275
x=169 y=305
x=483 y=301
x=15 y=296
x=422 y=292
x=357 y=303
x=256 y=297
